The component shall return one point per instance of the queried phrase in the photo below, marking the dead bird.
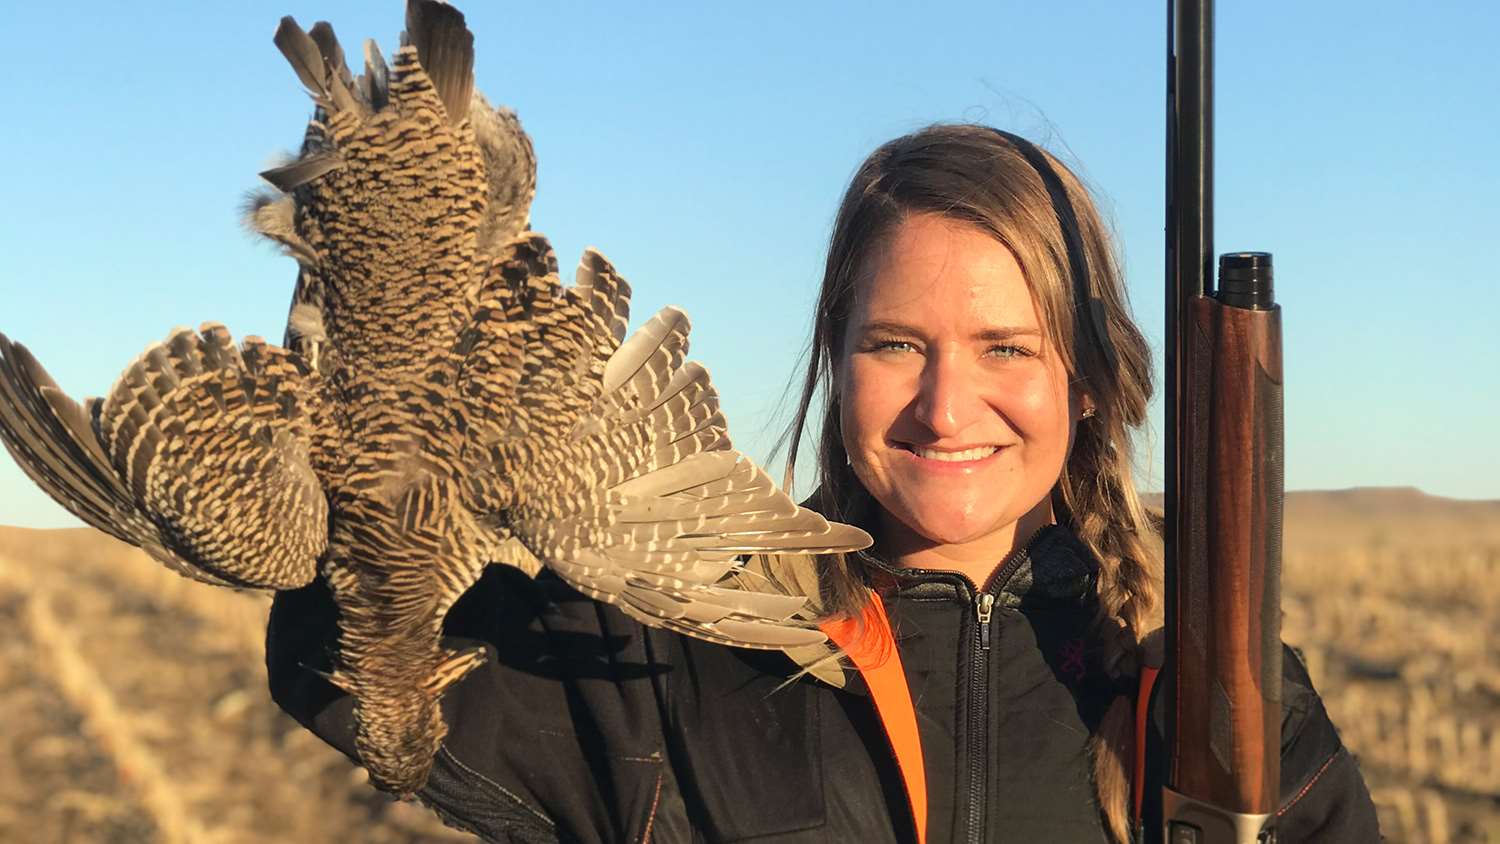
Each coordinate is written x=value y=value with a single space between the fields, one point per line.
x=441 y=402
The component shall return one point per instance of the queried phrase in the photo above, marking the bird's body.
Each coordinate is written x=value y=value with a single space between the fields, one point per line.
x=442 y=402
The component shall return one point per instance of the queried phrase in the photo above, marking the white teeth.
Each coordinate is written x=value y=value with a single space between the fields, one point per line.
x=955 y=456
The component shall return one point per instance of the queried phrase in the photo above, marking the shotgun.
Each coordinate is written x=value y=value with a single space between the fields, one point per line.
x=1224 y=489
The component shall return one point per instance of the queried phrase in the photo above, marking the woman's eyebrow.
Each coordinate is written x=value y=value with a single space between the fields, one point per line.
x=888 y=326
x=1009 y=332
x=991 y=334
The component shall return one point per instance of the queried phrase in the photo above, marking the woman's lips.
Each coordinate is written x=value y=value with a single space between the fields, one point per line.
x=949 y=459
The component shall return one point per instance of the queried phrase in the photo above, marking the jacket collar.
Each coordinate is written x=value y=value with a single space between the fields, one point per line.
x=1054 y=567
x=1057 y=566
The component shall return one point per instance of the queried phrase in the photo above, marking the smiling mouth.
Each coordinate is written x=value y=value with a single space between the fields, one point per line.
x=966 y=456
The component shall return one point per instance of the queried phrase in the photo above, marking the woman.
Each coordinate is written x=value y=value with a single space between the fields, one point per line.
x=979 y=375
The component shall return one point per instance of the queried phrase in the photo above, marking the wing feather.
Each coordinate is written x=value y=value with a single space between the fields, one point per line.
x=54 y=443
x=201 y=455
x=623 y=476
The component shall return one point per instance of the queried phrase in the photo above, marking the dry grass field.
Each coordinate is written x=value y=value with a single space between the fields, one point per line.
x=133 y=705
x=1394 y=599
x=133 y=709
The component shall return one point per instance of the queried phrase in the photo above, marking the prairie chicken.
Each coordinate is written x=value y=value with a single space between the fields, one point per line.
x=441 y=402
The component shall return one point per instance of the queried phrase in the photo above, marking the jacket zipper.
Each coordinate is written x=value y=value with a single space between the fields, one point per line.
x=979 y=686
x=979 y=706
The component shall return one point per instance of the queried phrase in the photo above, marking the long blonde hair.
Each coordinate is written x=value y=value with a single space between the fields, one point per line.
x=1037 y=208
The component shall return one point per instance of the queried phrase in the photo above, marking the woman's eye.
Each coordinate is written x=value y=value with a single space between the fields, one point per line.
x=1006 y=350
x=891 y=346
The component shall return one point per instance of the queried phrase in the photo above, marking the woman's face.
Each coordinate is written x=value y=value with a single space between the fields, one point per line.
x=956 y=413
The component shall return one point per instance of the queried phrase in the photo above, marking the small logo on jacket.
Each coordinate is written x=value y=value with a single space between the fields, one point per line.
x=1072 y=667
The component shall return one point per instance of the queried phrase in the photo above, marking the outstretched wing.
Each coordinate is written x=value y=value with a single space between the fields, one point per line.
x=201 y=455
x=610 y=462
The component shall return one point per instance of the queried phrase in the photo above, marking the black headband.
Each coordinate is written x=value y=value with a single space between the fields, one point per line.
x=1089 y=310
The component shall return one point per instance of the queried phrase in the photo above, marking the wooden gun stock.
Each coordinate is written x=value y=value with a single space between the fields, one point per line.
x=1226 y=647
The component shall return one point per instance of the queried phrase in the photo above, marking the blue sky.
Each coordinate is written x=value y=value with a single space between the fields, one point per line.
x=704 y=150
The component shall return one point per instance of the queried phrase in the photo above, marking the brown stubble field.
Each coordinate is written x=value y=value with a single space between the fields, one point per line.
x=1393 y=598
x=133 y=709
x=133 y=705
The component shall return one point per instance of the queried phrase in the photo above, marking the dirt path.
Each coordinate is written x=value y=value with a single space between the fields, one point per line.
x=136 y=710
x=54 y=787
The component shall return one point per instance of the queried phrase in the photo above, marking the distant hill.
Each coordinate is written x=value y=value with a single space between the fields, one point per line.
x=1396 y=516
x=1400 y=516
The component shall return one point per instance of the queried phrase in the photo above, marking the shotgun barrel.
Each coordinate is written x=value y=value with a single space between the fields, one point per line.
x=1224 y=487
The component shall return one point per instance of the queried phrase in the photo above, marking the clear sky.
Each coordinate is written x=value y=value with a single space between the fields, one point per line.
x=704 y=151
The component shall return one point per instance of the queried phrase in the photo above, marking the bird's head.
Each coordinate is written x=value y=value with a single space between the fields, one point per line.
x=398 y=740
x=400 y=727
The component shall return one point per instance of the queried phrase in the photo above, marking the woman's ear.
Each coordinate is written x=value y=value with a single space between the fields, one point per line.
x=1082 y=405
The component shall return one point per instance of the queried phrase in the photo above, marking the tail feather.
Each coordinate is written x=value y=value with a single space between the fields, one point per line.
x=376 y=82
x=312 y=59
x=445 y=47
x=332 y=52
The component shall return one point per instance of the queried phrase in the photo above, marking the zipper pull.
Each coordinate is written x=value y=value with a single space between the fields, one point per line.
x=985 y=604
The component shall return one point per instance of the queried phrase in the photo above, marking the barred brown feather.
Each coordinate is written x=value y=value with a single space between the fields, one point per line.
x=201 y=454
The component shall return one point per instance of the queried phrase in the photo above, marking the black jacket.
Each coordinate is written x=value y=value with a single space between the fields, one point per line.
x=585 y=726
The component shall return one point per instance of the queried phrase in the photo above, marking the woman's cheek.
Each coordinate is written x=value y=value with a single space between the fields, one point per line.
x=1036 y=405
x=869 y=403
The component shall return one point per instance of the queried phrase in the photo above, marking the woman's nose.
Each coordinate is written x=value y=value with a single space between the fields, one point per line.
x=948 y=399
